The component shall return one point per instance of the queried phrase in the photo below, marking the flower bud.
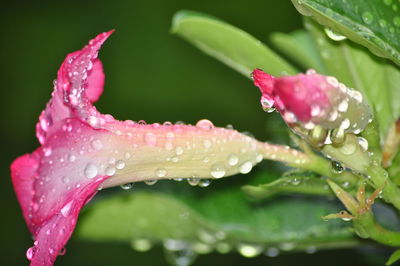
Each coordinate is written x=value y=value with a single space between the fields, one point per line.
x=312 y=101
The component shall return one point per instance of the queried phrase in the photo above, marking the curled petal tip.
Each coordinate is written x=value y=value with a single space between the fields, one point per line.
x=263 y=81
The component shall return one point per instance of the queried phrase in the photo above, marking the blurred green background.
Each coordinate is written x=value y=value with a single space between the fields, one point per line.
x=150 y=75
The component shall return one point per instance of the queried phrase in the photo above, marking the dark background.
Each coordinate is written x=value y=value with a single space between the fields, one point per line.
x=150 y=75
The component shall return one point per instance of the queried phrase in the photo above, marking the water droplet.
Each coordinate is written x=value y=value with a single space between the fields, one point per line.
x=71 y=158
x=288 y=246
x=249 y=251
x=90 y=170
x=348 y=148
x=205 y=124
x=127 y=186
x=30 y=252
x=179 y=255
x=150 y=182
x=272 y=252
x=150 y=139
x=141 y=244
x=336 y=167
x=193 y=181
x=110 y=170
x=334 y=35
x=382 y=23
x=120 y=164
x=161 y=172
x=201 y=248
x=62 y=251
x=223 y=248
x=207 y=144
x=65 y=210
x=97 y=145
x=289 y=117
x=47 y=151
x=343 y=106
x=363 y=143
x=267 y=104
x=233 y=159
x=315 y=110
x=333 y=81
x=367 y=17
x=245 y=167
x=204 y=182
x=218 y=170
x=65 y=179
x=93 y=121
x=345 y=124
x=178 y=150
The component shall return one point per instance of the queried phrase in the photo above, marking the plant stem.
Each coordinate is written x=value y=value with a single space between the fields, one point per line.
x=368 y=225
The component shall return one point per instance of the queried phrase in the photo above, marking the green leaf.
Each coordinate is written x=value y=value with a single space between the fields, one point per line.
x=300 y=47
x=359 y=69
x=294 y=182
x=394 y=257
x=228 y=44
x=374 y=24
x=222 y=216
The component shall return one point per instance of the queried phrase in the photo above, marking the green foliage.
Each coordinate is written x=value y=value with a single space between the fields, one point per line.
x=374 y=24
x=228 y=44
x=220 y=216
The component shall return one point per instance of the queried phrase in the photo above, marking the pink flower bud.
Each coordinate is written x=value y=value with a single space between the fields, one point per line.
x=310 y=100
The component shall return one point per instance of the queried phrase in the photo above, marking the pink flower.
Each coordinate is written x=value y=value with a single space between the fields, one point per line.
x=82 y=150
x=312 y=99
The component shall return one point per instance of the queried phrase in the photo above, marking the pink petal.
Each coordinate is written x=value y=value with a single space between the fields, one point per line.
x=82 y=149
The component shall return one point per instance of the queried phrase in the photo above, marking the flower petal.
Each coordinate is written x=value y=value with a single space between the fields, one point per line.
x=83 y=149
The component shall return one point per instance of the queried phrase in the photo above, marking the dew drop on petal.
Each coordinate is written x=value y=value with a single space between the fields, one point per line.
x=343 y=106
x=120 y=164
x=71 y=158
x=127 y=186
x=97 y=144
x=150 y=139
x=47 y=151
x=345 y=124
x=193 y=181
x=204 y=182
x=363 y=143
x=90 y=170
x=178 y=150
x=62 y=251
x=245 y=167
x=205 y=124
x=65 y=179
x=161 y=172
x=233 y=159
x=110 y=170
x=30 y=252
x=150 y=182
x=66 y=209
x=218 y=170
